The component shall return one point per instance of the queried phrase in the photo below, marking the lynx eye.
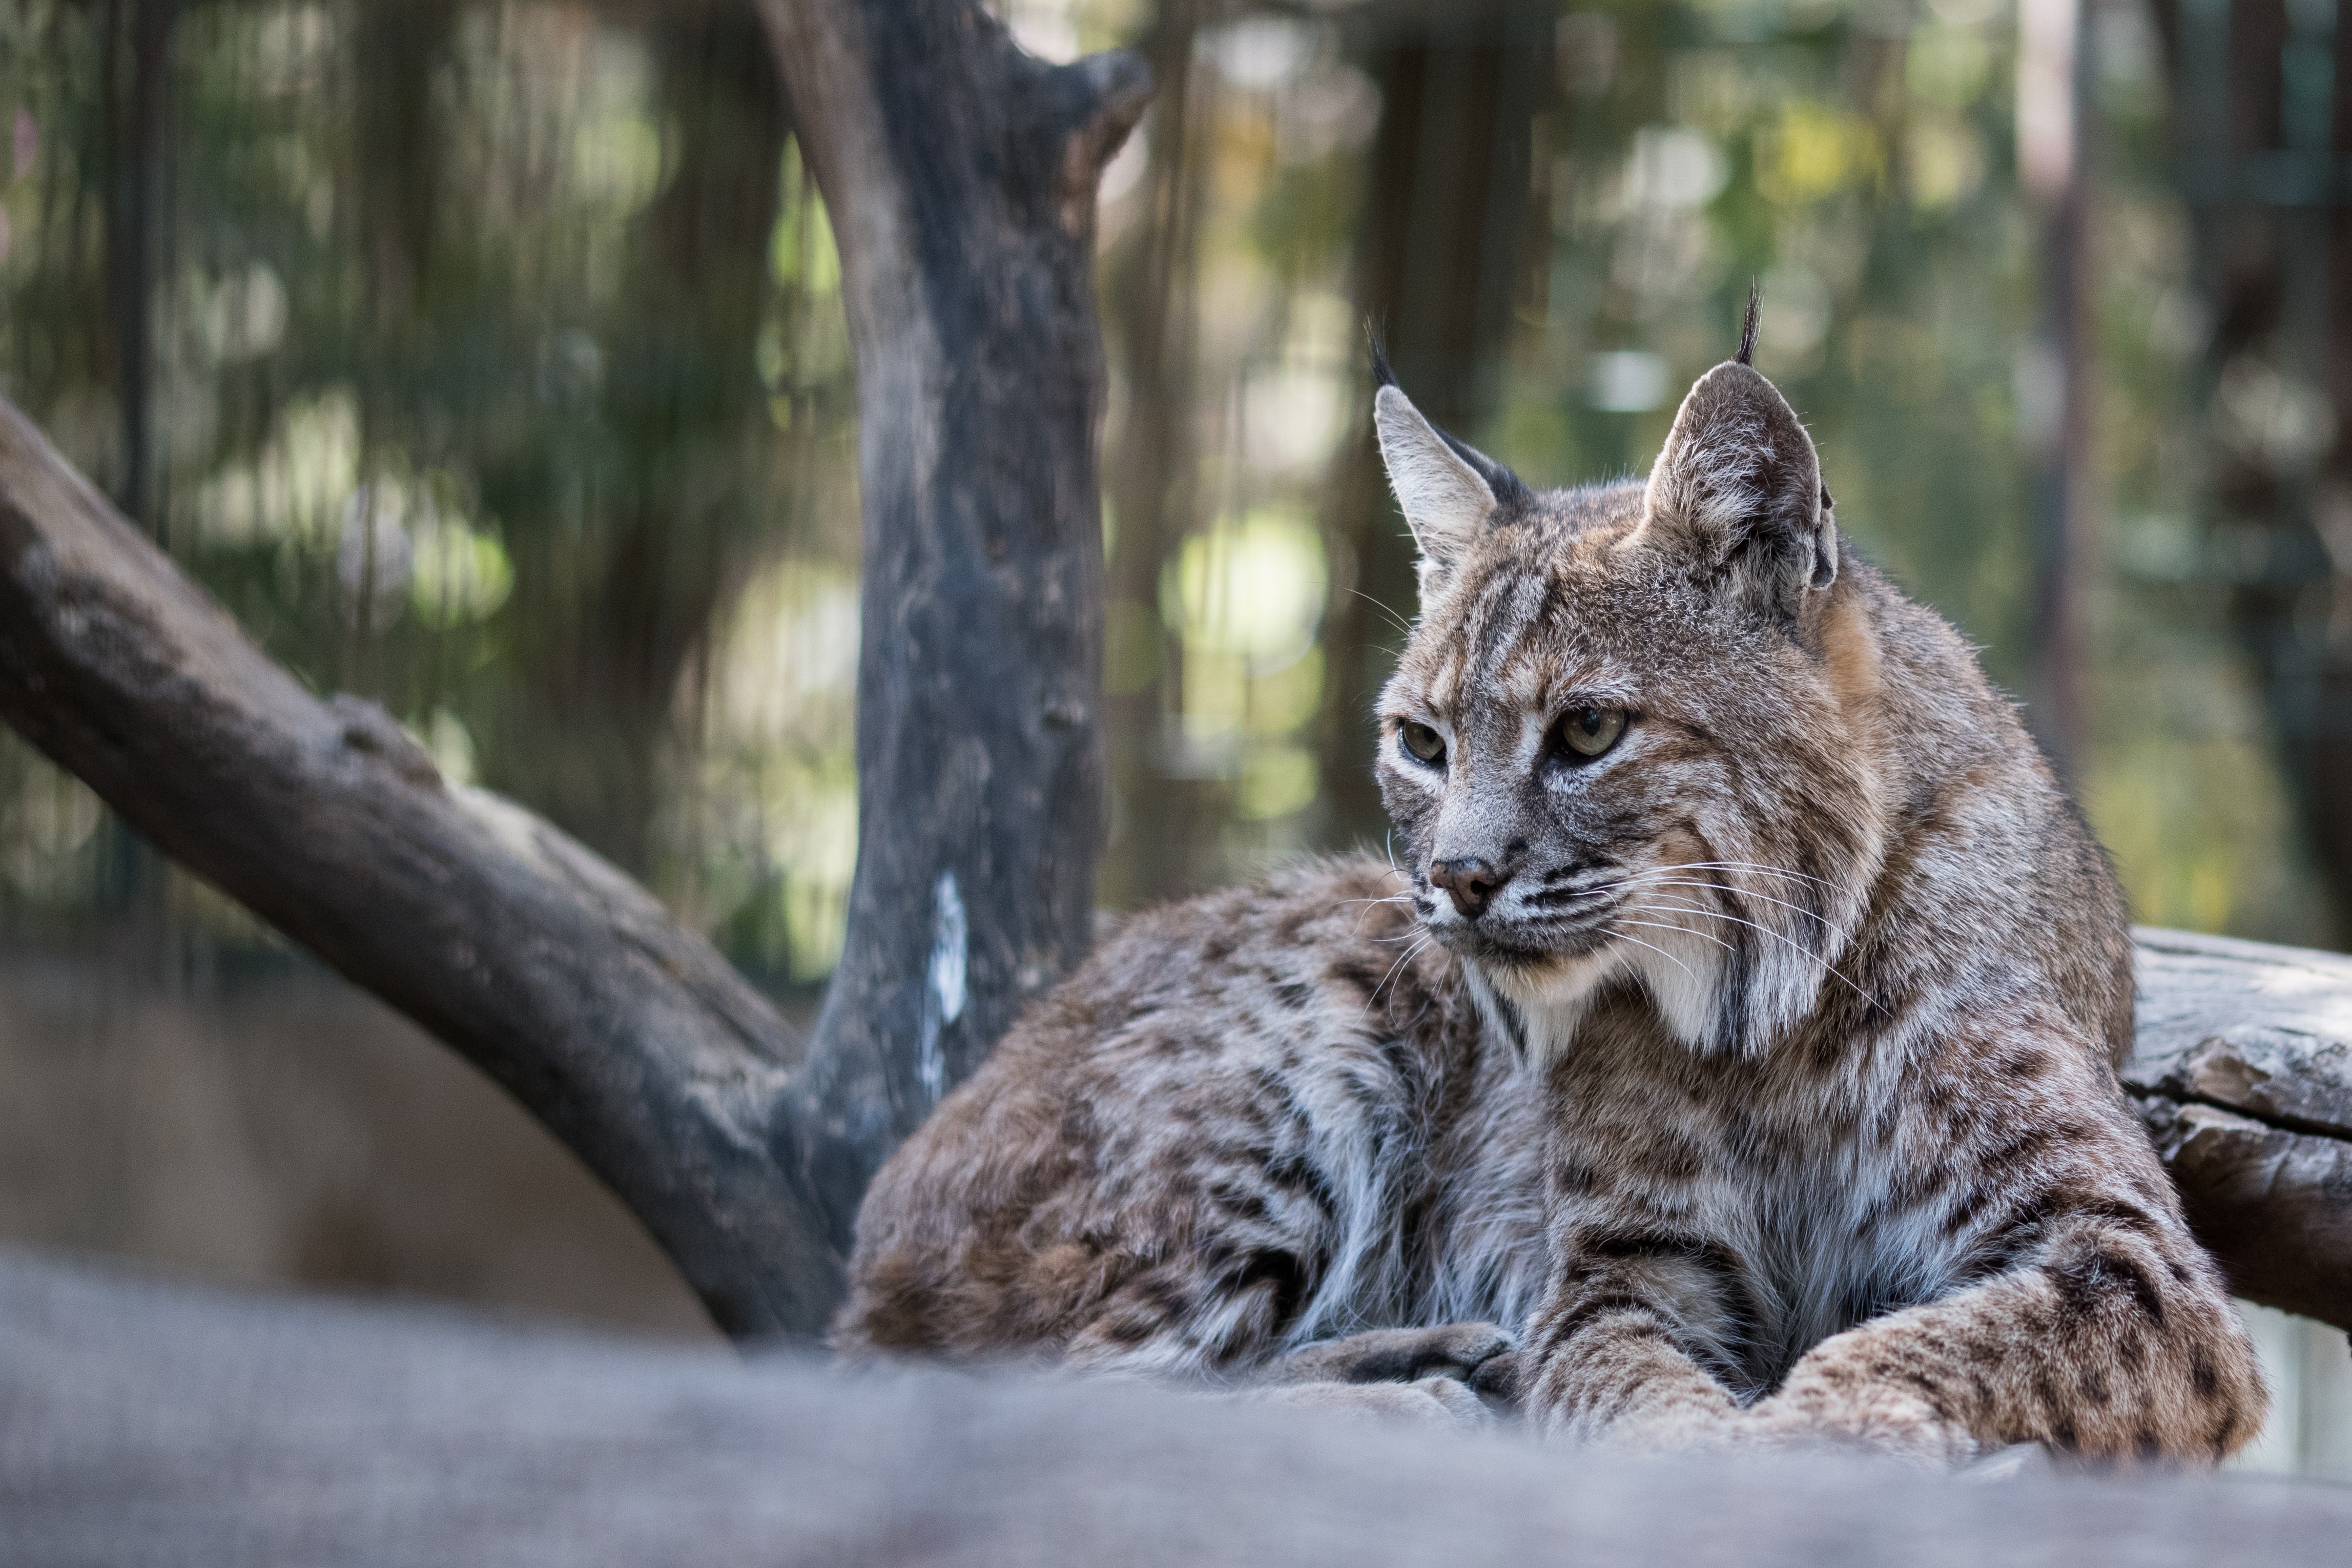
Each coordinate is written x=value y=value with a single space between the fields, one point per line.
x=1425 y=744
x=1589 y=732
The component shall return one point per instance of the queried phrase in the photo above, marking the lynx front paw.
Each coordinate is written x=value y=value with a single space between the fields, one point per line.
x=1881 y=1421
x=1454 y=1351
x=1445 y=1402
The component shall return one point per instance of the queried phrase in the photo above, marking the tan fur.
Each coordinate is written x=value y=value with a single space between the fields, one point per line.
x=1756 y=1073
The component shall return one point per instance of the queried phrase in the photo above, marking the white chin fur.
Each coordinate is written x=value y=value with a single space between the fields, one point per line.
x=1681 y=971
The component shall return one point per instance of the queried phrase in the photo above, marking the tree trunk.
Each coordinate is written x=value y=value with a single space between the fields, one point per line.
x=960 y=174
x=2260 y=160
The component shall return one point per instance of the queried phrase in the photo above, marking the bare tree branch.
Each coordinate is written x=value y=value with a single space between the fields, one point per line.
x=629 y=1036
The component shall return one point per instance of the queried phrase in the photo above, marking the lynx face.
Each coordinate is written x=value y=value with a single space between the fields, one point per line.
x=1621 y=742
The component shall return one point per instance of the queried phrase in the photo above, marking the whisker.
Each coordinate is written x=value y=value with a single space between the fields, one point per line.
x=1398 y=621
x=1365 y=913
x=1669 y=925
x=1662 y=953
x=1788 y=941
x=1751 y=865
x=1654 y=878
x=1395 y=969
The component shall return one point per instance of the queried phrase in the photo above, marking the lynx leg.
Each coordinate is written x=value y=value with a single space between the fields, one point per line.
x=1609 y=1358
x=2115 y=1341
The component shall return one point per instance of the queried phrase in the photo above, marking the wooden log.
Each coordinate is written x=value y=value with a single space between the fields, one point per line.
x=173 y=1426
x=2244 y=1074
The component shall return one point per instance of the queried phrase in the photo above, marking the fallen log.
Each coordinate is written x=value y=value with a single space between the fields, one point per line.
x=2244 y=1075
x=165 y=1425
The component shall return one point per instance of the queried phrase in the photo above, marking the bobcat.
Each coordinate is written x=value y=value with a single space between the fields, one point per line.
x=1731 y=1060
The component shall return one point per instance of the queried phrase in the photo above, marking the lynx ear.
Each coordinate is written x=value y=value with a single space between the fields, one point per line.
x=1739 y=488
x=1446 y=490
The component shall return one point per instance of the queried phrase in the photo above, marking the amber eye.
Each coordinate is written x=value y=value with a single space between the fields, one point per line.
x=1589 y=732
x=1425 y=744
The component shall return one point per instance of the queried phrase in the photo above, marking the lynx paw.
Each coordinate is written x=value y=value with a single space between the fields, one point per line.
x=1454 y=1351
x=1888 y=1425
x=1443 y=1403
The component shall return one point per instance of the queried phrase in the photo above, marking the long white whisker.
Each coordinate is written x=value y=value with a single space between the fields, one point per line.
x=1779 y=937
x=1362 y=914
x=1395 y=969
x=1399 y=621
x=1662 y=953
x=1669 y=925
x=1656 y=879
x=1749 y=866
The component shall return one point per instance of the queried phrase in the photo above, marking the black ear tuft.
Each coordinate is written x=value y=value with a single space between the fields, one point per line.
x=1508 y=486
x=1505 y=485
x=1747 y=354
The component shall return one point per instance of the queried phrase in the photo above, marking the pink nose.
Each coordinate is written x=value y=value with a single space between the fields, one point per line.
x=1469 y=883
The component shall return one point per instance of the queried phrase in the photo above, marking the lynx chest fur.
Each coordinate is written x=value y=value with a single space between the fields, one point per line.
x=1728 y=1057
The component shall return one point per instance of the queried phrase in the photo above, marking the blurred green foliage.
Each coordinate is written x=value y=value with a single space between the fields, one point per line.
x=496 y=368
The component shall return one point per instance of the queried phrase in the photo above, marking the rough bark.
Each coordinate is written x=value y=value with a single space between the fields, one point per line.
x=2244 y=1075
x=960 y=173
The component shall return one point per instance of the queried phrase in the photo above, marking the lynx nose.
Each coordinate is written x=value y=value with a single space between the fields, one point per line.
x=1469 y=883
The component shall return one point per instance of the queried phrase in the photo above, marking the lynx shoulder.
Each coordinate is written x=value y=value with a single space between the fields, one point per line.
x=1737 y=1030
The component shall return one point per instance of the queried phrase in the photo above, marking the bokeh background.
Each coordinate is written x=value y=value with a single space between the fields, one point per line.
x=488 y=359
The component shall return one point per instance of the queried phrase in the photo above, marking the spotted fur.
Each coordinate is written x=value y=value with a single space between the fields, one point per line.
x=1756 y=1072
